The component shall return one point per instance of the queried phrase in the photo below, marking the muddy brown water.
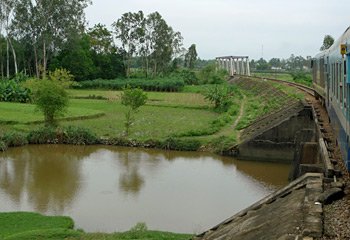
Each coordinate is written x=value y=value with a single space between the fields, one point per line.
x=112 y=188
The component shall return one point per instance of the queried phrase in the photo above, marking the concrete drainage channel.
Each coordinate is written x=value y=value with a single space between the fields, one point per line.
x=296 y=211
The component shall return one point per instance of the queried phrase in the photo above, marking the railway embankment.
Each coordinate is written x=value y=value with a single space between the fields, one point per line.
x=317 y=199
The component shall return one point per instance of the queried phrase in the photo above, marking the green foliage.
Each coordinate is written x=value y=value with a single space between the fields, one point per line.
x=210 y=75
x=149 y=38
x=133 y=99
x=79 y=136
x=189 y=77
x=220 y=96
x=20 y=77
x=302 y=78
x=328 y=41
x=136 y=235
x=25 y=225
x=139 y=227
x=191 y=56
x=62 y=77
x=66 y=135
x=34 y=226
x=44 y=234
x=180 y=144
x=44 y=35
x=262 y=64
x=222 y=144
x=158 y=84
x=43 y=136
x=14 y=139
x=50 y=98
x=13 y=91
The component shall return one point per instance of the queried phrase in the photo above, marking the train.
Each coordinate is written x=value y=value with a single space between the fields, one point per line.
x=331 y=83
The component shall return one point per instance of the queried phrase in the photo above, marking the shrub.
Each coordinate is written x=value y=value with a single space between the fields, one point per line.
x=189 y=77
x=63 y=77
x=43 y=136
x=12 y=91
x=133 y=99
x=302 y=78
x=68 y=135
x=220 y=96
x=139 y=227
x=209 y=74
x=160 y=84
x=14 y=139
x=180 y=144
x=79 y=136
x=50 y=98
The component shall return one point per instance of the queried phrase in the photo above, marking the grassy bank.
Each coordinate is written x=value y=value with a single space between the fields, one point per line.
x=29 y=226
x=297 y=77
x=178 y=120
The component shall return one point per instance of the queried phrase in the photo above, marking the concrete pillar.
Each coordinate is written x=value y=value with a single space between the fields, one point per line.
x=248 y=67
x=238 y=66
x=242 y=66
x=232 y=68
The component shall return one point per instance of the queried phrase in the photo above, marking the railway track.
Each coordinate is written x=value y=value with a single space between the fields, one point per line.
x=301 y=87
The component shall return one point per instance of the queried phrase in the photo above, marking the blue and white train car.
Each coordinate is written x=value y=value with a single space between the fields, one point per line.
x=331 y=81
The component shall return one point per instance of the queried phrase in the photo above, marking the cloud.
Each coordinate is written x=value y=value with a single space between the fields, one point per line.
x=225 y=27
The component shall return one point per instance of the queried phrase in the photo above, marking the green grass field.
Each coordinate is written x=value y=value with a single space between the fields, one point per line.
x=280 y=76
x=19 y=113
x=165 y=114
x=30 y=226
x=184 y=114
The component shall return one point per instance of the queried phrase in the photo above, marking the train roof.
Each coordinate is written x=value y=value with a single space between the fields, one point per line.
x=343 y=39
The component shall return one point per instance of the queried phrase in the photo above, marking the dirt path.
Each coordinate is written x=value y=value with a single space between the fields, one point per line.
x=240 y=115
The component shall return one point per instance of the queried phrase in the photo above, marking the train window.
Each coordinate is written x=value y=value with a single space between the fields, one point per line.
x=341 y=95
x=336 y=82
x=344 y=67
x=345 y=91
x=333 y=82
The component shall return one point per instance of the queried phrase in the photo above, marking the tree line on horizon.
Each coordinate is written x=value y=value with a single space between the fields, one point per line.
x=41 y=36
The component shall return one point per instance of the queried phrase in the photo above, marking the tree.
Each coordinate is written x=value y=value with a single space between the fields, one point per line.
x=6 y=15
x=76 y=57
x=164 y=43
x=150 y=38
x=219 y=95
x=107 y=58
x=262 y=64
x=50 y=98
x=275 y=62
x=48 y=24
x=191 y=56
x=133 y=99
x=130 y=31
x=328 y=41
x=210 y=75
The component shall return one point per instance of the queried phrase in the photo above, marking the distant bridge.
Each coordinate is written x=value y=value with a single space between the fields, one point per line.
x=234 y=64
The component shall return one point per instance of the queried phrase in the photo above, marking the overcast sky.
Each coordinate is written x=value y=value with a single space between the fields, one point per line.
x=268 y=28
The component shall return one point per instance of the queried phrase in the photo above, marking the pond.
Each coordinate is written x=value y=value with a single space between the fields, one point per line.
x=111 y=189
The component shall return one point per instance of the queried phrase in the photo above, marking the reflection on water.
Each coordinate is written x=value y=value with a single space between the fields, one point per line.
x=112 y=188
